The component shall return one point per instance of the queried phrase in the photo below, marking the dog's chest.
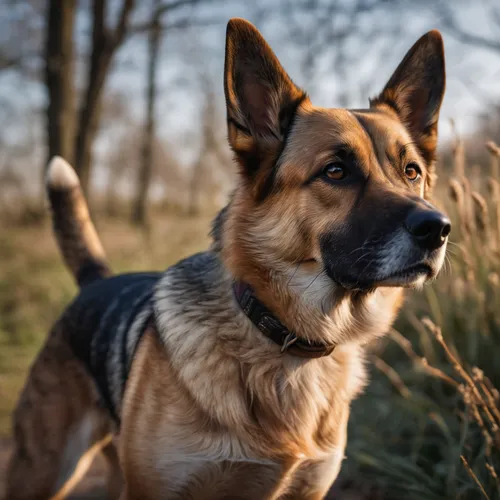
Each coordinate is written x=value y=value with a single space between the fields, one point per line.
x=186 y=433
x=213 y=407
x=186 y=454
x=254 y=409
x=209 y=401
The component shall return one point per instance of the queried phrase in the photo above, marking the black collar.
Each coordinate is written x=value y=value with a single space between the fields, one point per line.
x=273 y=329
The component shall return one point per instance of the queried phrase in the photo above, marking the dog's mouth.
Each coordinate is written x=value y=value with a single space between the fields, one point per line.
x=414 y=275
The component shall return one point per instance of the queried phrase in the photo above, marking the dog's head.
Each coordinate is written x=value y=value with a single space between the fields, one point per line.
x=341 y=190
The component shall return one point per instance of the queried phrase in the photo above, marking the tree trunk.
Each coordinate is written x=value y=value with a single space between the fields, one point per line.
x=139 y=210
x=104 y=46
x=90 y=113
x=59 y=78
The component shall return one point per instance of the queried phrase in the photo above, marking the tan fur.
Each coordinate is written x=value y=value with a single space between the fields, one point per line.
x=284 y=439
x=56 y=423
x=264 y=241
x=212 y=409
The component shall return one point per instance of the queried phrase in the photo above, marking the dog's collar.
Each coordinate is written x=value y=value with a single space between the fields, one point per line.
x=273 y=329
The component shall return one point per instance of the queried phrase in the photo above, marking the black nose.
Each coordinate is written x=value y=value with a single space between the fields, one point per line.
x=428 y=227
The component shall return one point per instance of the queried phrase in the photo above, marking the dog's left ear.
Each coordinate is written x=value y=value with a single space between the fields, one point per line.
x=415 y=91
x=261 y=98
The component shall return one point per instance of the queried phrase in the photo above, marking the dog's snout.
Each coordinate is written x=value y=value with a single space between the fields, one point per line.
x=428 y=227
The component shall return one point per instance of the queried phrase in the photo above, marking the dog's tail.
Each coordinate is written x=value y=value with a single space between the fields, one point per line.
x=76 y=235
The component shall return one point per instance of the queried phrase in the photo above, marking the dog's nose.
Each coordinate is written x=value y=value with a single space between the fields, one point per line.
x=428 y=227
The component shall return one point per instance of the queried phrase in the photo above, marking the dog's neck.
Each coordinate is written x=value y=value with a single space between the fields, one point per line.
x=305 y=299
x=287 y=400
x=273 y=328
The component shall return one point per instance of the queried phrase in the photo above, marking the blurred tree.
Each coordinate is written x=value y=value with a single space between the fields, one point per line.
x=333 y=36
x=59 y=79
x=72 y=135
x=337 y=49
x=456 y=24
x=17 y=53
x=214 y=163
x=139 y=207
x=168 y=176
x=155 y=29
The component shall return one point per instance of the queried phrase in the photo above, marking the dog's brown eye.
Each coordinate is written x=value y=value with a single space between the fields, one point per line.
x=335 y=171
x=412 y=171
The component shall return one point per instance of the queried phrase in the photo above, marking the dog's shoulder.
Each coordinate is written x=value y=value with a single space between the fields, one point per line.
x=198 y=282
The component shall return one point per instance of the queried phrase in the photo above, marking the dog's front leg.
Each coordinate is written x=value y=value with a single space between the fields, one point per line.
x=314 y=478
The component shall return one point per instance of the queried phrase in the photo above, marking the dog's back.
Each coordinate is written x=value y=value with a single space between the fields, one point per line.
x=66 y=411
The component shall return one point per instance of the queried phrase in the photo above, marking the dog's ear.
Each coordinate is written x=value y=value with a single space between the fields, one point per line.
x=415 y=91
x=261 y=98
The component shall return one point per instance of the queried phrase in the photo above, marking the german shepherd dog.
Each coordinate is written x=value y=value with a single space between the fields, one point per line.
x=230 y=375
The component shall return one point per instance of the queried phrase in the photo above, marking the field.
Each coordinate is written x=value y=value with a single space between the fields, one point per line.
x=427 y=427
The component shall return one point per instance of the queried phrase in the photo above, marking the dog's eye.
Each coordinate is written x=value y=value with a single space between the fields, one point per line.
x=335 y=171
x=412 y=171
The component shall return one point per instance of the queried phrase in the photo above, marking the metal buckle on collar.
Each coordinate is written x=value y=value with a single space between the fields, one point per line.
x=289 y=340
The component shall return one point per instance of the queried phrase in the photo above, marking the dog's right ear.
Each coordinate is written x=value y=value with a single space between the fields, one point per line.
x=261 y=98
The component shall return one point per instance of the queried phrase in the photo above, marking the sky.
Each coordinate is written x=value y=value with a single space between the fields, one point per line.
x=473 y=74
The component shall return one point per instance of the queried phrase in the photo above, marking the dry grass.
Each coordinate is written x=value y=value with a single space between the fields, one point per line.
x=429 y=424
x=35 y=286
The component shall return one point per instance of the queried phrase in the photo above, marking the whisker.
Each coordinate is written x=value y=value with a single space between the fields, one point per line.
x=449 y=265
x=291 y=277
x=369 y=241
x=366 y=267
x=315 y=278
x=456 y=245
x=363 y=256
x=358 y=249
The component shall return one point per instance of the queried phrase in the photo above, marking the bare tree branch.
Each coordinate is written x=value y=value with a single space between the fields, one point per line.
x=139 y=208
x=159 y=12
x=472 y=39
x=320 y=27
x=104 y=46
x=170 y=7
x=453 y=27
x=98 y=25
x=7 y=62
x=123 y=21
x=191 y=23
